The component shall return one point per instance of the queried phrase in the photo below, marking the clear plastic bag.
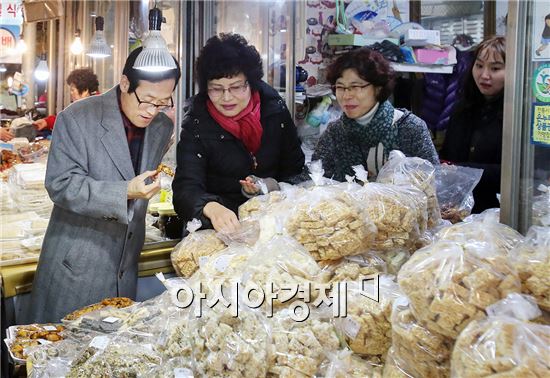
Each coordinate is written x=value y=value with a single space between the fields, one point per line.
x=416 y=351
x=186 y=254
x=345 y=364
x=177 y=367
x=52 y=360
x=450 y=283
x=299 y=347
x=248 y=233
x=283 y=263
x=420 y=173
x=227 y=346
x=532 y=260
x=367 y=327
x=455 y=185
x=399 y=214
x=502 y=346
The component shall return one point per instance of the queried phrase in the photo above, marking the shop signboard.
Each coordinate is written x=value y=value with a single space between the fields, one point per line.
x=540 y=127
x=11 y=12
x=541 y=83
x=9 y=36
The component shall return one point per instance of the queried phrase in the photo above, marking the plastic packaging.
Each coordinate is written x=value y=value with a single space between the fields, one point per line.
x=450 y=283
x=52 y=360
x=248 y=233
x=416 y=351
x=502 y=346
x=186 y=254
x=226 y=346
x=300 y=347
x=367 y=328
x=420 y=173
x=455 y=185
x=345 y=364
x=541 y=207
x=116 y=302
x=532 y=260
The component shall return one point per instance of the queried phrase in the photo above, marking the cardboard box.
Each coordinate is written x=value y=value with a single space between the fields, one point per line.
x=356 y=40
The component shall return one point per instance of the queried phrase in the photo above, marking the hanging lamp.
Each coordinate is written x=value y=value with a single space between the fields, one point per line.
x=99 y=47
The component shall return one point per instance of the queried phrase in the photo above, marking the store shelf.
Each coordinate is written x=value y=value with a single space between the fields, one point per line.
x=401 y=67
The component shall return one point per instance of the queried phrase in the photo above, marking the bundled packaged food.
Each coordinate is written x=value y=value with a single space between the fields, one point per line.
x=420 y=173
x=455 y=185
x=108 y=357
x=367 y=327
x=174 y=339
x=345 y=364
x=177 y=367
x=299 y=347
x=186 y=254
x=351 y=268
x=399 y=214
x=504 y=344
x=450 y=283
x=248 y=233
x=258 y=205
x=117 y=302
x=532 y=260
x=283 y=264
x=484 y=227
x=52 y=360
x=416 y=351
x=228 y=346
x=541 y=206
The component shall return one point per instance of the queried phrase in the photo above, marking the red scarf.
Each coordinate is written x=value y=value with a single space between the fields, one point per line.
x=245 y=126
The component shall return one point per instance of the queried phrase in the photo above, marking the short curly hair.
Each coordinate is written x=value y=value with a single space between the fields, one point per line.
x=225 y=56
x=83 y=79
x=370 y=65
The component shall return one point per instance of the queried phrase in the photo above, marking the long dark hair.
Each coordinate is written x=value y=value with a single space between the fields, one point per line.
x=470 y=95
x=546 y=31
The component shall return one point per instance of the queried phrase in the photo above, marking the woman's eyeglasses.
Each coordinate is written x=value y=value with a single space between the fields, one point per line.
x=234 y=90
x=353 y=89
x=160 y=107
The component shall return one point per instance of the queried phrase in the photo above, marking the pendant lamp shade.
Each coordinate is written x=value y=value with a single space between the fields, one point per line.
x=155 y=56
x=98 y=46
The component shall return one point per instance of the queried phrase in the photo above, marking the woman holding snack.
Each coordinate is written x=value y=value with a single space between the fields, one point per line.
x=370 y=127
x=236 y=130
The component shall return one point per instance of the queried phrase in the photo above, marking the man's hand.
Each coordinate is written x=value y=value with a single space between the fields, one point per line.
x=223 y=219
x=5 y=135
x=249 y=186
x=137 y=189
x=40 y=124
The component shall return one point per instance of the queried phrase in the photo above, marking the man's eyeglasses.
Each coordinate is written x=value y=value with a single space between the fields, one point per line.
x=353 y=89
x=234 y=90
x=160 y=107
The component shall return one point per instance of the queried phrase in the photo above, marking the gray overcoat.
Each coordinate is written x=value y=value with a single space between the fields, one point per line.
x=95 y=234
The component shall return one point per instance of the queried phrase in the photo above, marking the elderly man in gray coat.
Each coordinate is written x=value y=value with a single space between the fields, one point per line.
x=101 y=173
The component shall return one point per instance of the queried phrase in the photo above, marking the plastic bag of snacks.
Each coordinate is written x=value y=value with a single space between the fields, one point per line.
x=248 y=233
x=299 y=347
x=227 y=346
x=367 y=327
x=177 y=367
x=416 y=351
x=484 y=227
x=532 y=260
x=52 y=360
x=399 y=214
x=185 y=256
x=450 y=283
x=345 y=364
x=326 y=226
x=455 y=185
x=283 y=263
x=420 y=173
x=541 y=207
x=504 y=344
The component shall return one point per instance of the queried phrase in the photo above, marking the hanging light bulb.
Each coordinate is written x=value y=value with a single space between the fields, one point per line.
x=21 y=46
x=155 y=56
x=3 y=68
x=99 y=47
x=42 y=73
x=76 y=46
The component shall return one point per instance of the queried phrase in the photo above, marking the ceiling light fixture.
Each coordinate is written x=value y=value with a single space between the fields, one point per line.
x=98 y=46
x=42 y=73
x=76 y=46
x=155 y=56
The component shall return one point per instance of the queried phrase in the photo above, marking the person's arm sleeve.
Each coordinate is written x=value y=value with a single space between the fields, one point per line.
x=416 y=141
x=189 y=186
x=50 y=121
x=68 y=182
x=292 y=156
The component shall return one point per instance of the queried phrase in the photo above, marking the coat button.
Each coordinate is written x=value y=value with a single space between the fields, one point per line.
x=222 y=136
x=196 y=121
x=120 y=274
x=282 y=125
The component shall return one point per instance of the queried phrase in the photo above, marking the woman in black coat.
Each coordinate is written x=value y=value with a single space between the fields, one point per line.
x=236 y=130
x=474 y=135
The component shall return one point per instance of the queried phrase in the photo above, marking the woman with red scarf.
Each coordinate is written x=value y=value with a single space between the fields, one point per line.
x=236 y=130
